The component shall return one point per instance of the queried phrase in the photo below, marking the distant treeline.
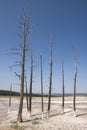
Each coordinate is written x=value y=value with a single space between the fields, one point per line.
x=7 y=93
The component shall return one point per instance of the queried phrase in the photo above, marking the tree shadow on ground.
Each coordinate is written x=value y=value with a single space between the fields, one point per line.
x=82 y=114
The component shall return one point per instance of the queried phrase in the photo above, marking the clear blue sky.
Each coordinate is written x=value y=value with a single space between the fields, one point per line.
x=67 y=20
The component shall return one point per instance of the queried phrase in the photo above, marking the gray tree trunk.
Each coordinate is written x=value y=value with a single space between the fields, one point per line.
x=19 y=119
x=41 y=86
x=24 y=24
x=27 y=102
x=50 y=85
x=10 y=93
x=63 y=94
x=30 y=90
x=75 y=77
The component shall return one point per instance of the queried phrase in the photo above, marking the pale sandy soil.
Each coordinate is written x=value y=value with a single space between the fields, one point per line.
x=56 y=121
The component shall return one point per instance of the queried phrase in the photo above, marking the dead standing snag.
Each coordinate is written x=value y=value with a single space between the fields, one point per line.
x=50 y=85
x=62 y=87
x=24 y=24
x=75 y=77
x=31 y=76
x=41 y=86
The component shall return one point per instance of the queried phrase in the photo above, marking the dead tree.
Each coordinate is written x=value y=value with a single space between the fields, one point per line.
x=10 y=94
x=50 y=85
x=63 y=94
x=41 y=85
x=75 y=77
x=24 y=24
x=31 y=76
x=27 y=102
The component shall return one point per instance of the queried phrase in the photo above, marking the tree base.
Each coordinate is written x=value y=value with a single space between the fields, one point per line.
x=19 y=119
x=9 y=109
x=74 y=113
x=62 y=111
x=48 y=114
x=30 y=116
x=42 y=115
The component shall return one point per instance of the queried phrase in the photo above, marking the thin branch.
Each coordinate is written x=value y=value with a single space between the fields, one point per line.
x=19 y=76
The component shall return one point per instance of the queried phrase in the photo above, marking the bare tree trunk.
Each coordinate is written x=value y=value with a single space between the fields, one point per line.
x=24 y=25
x=41 y=86
x=30 y=90
x=10 y=93
x=26 y=94
x=63 y=94
x=19 y=119
x=50 y=85
x=74 y=96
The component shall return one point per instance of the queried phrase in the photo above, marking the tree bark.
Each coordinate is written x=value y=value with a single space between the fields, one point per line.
x=25 y=26
x=19 y=119
x=30 y=90
x=50 y=85
x=63 y=94
x=41 y=86
x=75 y=77
x=74 y=100
x=10 y=95
x=27 y=102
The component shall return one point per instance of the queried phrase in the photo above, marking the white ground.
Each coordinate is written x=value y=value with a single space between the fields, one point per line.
x=56 y=121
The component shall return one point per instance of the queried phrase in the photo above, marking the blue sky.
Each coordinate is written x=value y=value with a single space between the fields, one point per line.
x=67 y=21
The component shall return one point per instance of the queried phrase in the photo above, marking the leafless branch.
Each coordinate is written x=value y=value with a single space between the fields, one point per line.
x=19 y=76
